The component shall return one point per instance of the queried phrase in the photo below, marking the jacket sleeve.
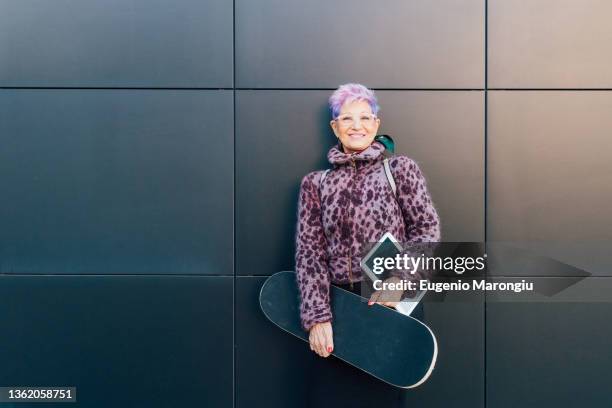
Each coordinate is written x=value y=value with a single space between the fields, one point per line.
x=420 y=216
x=311 y=255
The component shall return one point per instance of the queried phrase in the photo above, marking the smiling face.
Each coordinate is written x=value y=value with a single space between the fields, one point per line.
x=356 y=126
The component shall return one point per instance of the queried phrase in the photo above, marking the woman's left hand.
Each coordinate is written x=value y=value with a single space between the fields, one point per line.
x=387 y=297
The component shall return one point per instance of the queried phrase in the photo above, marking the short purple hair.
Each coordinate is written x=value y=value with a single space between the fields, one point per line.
x=349 y=93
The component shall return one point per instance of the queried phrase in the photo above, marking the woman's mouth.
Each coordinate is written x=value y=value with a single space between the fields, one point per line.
x=357 y=135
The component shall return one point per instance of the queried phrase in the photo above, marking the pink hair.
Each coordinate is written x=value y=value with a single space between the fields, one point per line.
x=349 y=93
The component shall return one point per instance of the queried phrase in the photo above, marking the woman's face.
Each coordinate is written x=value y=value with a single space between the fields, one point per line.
x=355 y=126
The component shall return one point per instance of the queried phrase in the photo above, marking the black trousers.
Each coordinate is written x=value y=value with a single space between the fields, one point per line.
x=334 y=383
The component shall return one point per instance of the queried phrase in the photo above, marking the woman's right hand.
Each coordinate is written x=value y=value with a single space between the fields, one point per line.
x=321 y=339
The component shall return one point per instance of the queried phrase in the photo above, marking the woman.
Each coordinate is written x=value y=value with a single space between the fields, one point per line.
x=351 y=207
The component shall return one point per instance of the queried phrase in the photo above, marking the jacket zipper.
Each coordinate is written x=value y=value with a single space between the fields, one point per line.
x=350 y=260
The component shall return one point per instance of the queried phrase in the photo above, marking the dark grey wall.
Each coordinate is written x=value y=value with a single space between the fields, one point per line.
x=115 y=181
x=548 y=191
x=151 y=154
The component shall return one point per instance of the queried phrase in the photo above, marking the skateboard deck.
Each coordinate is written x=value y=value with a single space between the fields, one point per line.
x=384 y=343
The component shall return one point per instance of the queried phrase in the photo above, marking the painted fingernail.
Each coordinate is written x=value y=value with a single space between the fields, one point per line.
x=370 y=303
x=329 y=349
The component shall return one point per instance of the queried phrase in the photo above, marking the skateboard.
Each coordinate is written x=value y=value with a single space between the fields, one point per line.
x=378 y=340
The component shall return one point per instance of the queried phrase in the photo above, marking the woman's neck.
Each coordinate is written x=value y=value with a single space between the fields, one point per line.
x=349 y=151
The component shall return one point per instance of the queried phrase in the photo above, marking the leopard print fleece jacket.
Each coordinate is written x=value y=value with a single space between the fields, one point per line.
x=354 y=208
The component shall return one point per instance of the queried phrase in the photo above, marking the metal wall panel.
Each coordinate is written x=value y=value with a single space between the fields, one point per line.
x=271 y=365
x=283 y=135
x=549 y=175
x=444 y=132
x=549 y=44
x=550 y=354
x=120 y=340
x=116 y=43
x=280 y=137
x=116 y=181
x=390 y=44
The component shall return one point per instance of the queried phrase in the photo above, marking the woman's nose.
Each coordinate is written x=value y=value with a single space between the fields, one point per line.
x=356 y=124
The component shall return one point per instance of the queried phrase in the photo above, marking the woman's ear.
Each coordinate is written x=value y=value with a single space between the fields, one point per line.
x=334 y=126
x=377 y=125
